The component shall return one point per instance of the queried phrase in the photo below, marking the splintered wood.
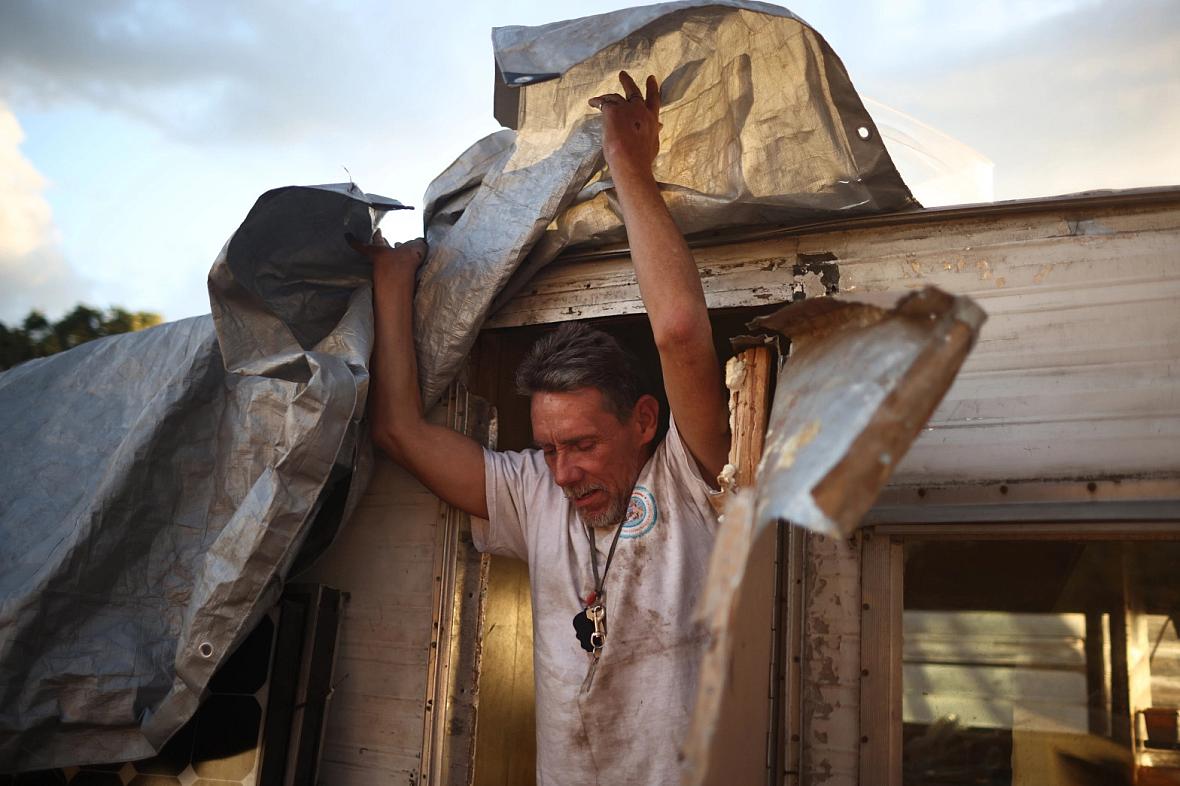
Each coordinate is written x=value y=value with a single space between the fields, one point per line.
x=727 y=741
x=747 y=375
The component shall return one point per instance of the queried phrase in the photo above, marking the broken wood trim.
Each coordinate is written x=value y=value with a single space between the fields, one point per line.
x=457 y=600
x=791 y=611
x=747 y=376
x=882 y=563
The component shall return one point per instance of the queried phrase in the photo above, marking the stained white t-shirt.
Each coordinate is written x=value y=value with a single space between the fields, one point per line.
x=629 y=726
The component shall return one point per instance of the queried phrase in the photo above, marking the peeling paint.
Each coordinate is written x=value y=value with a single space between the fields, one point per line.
x=1088 y=226
x=831 y=661
x=815 y=275
x=795 y=443
x=811 y=284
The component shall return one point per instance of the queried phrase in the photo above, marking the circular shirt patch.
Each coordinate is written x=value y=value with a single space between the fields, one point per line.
x=642 y=514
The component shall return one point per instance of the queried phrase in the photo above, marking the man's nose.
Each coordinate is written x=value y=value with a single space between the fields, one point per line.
x=566 y=471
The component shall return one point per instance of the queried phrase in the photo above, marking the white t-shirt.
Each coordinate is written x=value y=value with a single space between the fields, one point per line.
x=628 y=727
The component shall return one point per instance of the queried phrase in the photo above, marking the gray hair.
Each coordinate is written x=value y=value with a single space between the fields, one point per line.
x=576 y=356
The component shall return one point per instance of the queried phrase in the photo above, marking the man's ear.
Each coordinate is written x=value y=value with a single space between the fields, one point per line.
x=647 y=417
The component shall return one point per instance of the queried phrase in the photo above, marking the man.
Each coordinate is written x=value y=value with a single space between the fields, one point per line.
x=616 y=529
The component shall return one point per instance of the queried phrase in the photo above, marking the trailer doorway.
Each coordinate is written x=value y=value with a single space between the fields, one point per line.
x=505 y=737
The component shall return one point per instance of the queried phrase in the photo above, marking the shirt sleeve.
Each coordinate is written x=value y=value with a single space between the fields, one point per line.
x=688 y=473
x=686 y=467
x=514 y=484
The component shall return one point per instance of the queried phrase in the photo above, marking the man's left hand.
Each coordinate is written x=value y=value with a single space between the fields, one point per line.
x=631 y=127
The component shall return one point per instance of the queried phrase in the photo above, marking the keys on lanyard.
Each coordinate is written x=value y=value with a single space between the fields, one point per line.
x=590 y=625
x=590 y=622
x=597 y=615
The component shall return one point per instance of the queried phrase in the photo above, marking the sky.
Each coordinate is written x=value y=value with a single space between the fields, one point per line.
x=135 y=135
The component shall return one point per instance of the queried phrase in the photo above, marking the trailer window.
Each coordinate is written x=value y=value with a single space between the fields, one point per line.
x=1040 y=662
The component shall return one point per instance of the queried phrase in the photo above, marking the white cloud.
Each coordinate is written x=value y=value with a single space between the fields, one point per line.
x=220 y=73
x=1080 y=101
x=33 y=273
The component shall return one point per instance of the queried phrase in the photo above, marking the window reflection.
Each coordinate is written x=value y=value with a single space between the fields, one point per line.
x=1041 y=663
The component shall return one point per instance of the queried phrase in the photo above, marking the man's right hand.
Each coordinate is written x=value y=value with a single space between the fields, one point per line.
x=386 y=258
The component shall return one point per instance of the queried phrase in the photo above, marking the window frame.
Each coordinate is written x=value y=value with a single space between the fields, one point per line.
x=882 y=593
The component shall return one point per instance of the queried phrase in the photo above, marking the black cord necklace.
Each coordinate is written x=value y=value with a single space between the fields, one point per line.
x=590 y=622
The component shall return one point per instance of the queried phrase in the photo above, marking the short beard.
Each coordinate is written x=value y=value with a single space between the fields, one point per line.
x=610 y=516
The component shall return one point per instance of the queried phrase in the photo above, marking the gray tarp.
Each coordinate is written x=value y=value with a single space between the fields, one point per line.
x=761 y=126
x=158 y=485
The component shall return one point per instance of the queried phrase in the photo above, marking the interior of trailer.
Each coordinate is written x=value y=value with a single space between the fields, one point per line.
x=1043 y=661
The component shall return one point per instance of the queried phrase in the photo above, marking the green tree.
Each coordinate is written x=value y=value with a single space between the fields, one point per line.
x=37 y=337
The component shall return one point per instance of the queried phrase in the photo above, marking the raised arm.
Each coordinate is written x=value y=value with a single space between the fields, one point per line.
x=445 y=461
x=667 y=274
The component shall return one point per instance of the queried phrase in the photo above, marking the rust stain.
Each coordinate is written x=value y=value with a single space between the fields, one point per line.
x=985 y=270
x=795 y=443
x=1000 y=281
x=1043 y=273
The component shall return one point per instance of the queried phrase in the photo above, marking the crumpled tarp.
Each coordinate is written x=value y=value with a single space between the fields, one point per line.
x=157 y=486
x=761 y=125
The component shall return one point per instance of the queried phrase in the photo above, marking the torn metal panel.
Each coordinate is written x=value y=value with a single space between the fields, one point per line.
x=726 y=741
x=860 y=383
x=761 y=125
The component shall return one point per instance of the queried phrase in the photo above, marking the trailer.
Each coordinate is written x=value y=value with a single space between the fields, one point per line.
x=1007 y=611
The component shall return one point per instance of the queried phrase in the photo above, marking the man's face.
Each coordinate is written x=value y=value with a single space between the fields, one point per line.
x=592 y=455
